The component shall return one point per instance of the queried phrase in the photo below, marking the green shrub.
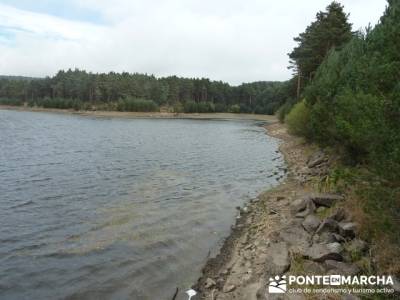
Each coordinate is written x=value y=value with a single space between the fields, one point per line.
x=283 y=111
x=200 y=107
x=12 y=102
x=298 y=119
x=138 y=105
x=178 y=107
x=234 y=109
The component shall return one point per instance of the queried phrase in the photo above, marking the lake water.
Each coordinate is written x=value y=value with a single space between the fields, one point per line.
x=113 y=208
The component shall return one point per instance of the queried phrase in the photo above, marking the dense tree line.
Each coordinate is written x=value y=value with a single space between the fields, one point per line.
x=141 y=92
x=351 y=104
x=353 y=97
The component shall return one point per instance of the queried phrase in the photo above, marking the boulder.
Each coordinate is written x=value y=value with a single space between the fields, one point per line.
x=311 y=223
x=324 y=238
x=209 y=283
x=327 y=225
x=228 y=288
x=297 y=239
x=298 y=205
x=316 y=159
x=326 y=200
x=278 y=262
x=339 y=238
x=323 y=252
x=340 y=268
x=314 y=268
x=302 y=207
x=348 y=229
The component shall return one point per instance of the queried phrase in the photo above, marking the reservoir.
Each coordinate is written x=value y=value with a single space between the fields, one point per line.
x=121 y=208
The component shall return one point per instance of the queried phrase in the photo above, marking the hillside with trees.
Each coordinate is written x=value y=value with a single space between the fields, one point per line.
x=349 y=103
x=79 y=89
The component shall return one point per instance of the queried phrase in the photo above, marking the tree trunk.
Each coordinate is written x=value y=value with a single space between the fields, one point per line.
x=298 y=84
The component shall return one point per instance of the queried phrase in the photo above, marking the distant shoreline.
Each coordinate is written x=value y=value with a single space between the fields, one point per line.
x=148 y=115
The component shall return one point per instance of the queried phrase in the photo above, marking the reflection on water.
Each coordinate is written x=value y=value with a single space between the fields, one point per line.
x=120 y=208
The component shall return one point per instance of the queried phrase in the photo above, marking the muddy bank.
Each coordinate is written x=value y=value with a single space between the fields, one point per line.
x=292 y=229
x=163 y=115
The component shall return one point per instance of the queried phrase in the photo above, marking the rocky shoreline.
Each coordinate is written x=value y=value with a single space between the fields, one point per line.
x=291 y=229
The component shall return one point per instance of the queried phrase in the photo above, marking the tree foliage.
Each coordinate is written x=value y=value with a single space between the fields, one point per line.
x=82 y=90
x=355 y=96
x=330 y=30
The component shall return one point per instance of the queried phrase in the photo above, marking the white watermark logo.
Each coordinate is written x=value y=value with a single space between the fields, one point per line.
x=277 y=285
x=327 y=284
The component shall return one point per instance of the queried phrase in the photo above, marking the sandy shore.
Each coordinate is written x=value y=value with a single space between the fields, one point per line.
x=160 y=115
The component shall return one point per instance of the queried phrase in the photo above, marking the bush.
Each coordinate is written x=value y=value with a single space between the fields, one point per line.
x=234 y=109
x=178 y=107
x=200 y=107
x=138 y=105
x=283 y=111
x=298 y=119
x=12 y=102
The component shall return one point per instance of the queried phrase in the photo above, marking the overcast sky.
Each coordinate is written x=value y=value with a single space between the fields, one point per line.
x=229 y=40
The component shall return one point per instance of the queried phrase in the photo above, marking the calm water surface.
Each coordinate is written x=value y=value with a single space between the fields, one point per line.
x=100 y=208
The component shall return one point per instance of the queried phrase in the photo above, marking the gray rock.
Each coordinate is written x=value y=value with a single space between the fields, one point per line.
x=340 y=268
x=326 y=200
x=297 y=239
x=302 y=207
x=322 y=252
x=324 y=238
x=314 y=268
x=327 y=225
x=316 y=158
x=278 y=261
x=298 y=205
x=228 y=288
x=209 y=283
x=348 y=229
x=311 y=223
x=339 y=238
x=357 y=245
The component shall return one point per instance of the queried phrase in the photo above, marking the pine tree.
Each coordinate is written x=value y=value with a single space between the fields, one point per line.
x=330 y=30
